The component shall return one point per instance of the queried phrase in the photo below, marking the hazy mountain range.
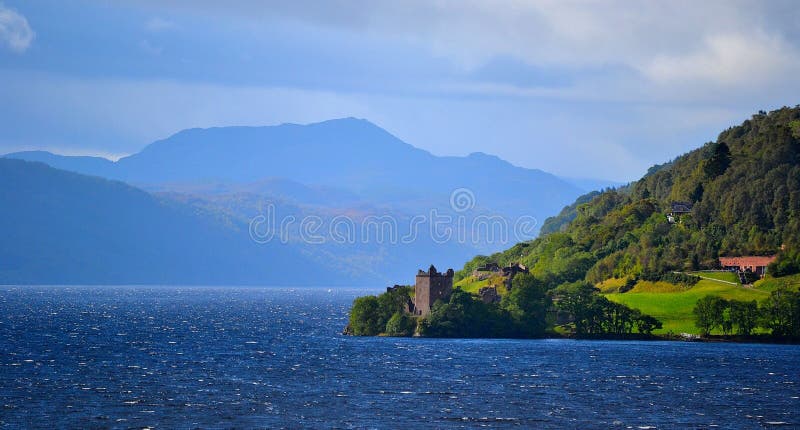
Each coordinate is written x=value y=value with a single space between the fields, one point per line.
x=203 y=188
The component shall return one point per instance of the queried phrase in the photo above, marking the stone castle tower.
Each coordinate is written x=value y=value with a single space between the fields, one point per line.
x=429 y=287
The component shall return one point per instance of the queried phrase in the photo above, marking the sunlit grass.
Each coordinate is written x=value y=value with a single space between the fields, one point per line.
x=674 y=308
x=770 y=284
x=611 y=285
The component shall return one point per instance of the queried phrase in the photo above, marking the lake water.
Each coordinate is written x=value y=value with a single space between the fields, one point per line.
x=179 y=357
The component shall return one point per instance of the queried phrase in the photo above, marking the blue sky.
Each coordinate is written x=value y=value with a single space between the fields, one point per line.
x=580 y=89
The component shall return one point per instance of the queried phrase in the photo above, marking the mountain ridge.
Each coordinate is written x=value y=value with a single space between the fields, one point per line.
x=351 y=154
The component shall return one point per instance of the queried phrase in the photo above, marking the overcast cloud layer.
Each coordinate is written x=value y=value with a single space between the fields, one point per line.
x=581 y=89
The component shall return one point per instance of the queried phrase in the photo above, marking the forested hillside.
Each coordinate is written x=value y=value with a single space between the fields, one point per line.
x=745 y=192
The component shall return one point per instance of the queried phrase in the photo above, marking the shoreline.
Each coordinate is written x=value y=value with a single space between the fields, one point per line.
x=767 y=339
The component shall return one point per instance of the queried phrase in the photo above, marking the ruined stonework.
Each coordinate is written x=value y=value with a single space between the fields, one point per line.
x=429 y=287
x=490 y=270
x=489 y=295
x=510 y=271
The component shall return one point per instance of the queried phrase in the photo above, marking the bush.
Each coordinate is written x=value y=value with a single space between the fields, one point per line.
x=629 y=284
x=401 y=324
x=676 y=278
x=680 y=278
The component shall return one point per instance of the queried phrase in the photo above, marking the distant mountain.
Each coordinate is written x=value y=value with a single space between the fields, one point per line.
x=66 y=228
x=346 y=154
x=340 y=169
x=95 y=166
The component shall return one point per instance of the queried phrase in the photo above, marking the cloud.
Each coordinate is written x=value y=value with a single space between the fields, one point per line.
x=728 y=59
x=15 y=33
x=678 y=50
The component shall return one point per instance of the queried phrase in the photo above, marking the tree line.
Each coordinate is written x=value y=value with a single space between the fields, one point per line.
x=527 y=311
x=780 y=314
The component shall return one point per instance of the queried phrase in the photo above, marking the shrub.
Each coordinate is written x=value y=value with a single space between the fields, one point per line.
x=401 y=324
x=629 y=284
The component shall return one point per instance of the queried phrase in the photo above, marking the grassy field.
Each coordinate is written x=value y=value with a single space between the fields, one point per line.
x=770 y=284
x=674 y=307
x=722 y=276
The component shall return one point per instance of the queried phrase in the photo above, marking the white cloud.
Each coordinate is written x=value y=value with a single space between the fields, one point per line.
x=15 y=33
x=728 y=59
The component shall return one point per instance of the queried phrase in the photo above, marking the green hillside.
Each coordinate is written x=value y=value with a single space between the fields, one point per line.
x=745 y=193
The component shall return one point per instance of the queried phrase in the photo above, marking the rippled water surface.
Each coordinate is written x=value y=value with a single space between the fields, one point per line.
x=178 y=357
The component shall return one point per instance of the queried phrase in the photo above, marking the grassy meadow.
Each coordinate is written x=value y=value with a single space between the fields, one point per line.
x=673 y=305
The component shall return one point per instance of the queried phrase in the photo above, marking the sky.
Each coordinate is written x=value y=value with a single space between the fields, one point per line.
x=584 y=89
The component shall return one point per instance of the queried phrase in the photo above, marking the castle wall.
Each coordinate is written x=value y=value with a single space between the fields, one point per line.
x=429 y=287
x=422 y=295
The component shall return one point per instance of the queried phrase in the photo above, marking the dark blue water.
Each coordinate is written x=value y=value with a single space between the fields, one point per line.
x=176 y=357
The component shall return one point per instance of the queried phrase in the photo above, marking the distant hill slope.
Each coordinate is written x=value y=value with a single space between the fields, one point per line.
x=348 y=154
x=66 y=228
x=745 y=192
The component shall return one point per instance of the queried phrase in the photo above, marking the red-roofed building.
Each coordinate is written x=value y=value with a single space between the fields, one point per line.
x=757 y=265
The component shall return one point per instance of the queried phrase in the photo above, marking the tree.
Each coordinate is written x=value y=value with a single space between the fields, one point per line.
x=527 y=304
x=646 y=324
x=365 y=317
x=394 y=300
x=466 y=316
x=370 y=314
x=577 y=299
x=596 y=315
x=782 y=313
x=697 y=194
x=619 y=319
x=709 y=313
x=744 y=316
x=719 y=161
x=787 y=263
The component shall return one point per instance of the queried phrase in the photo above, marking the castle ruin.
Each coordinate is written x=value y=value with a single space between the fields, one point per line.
x=429 y=287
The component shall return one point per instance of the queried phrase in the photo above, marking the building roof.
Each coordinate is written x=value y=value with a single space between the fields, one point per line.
x=681 y=207
x=746 y=261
